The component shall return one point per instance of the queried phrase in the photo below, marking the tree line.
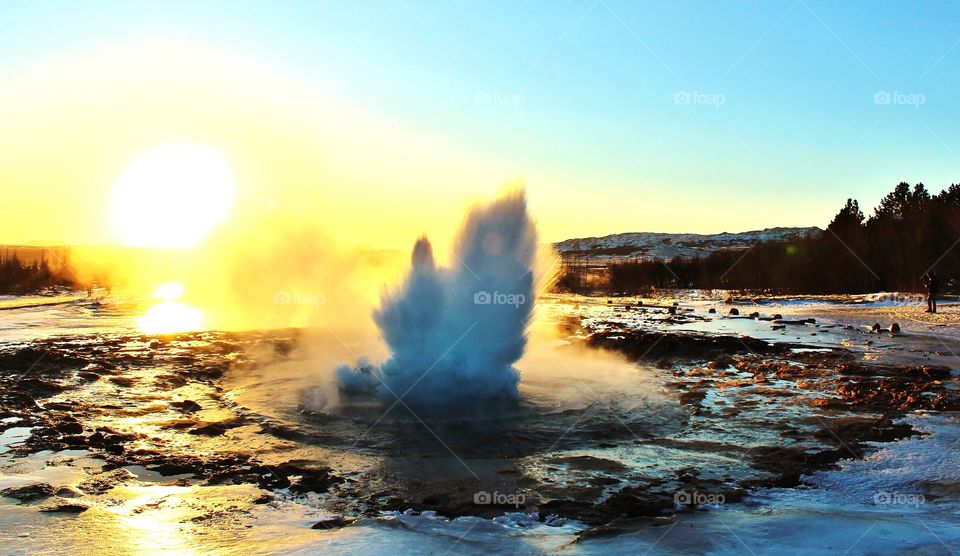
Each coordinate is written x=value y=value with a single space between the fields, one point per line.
x=20 y=277
x=909 y=233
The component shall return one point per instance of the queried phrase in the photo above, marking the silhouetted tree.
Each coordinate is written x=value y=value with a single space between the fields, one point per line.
x=909 y=232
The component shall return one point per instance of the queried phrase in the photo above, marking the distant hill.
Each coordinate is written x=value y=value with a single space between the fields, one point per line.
x=654 y=245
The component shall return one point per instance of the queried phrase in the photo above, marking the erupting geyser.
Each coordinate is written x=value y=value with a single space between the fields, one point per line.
x=454 y=333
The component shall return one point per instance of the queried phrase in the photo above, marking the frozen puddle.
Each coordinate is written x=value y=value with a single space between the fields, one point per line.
x=13 y=435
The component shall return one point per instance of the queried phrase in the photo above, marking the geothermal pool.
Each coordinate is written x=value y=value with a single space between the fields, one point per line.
x=239 y=442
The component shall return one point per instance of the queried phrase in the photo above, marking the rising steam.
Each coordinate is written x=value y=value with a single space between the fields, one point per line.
x=454 y=333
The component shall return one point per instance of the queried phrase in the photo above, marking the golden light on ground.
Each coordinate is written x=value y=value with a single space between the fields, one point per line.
x=170 y=316
x=172 y=196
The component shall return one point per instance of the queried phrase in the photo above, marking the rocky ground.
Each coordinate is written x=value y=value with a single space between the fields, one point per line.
x=744 y=413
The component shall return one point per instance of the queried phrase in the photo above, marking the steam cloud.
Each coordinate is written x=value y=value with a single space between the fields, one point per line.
x=454 y=333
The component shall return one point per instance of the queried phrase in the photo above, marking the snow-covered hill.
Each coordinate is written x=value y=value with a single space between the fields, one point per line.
x=651 y=245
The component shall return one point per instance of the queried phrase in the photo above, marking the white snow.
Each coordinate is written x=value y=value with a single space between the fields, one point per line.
x=651 y=245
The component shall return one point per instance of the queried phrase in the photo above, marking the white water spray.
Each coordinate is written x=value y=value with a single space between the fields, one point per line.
x=454 y=333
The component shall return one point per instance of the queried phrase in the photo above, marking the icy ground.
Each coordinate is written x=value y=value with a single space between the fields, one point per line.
x=903 y=498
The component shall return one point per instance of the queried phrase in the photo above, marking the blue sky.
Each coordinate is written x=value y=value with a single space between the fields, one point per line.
x=782 y=107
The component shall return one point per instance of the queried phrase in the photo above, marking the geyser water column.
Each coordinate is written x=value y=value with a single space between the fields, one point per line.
x=454 y=333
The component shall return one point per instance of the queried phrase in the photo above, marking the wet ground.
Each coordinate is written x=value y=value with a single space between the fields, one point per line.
x=635 y=419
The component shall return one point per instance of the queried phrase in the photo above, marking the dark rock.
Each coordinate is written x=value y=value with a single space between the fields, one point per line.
x=75 y=440
x=693 y=397
x=188 y=406
x=602 y=531
x=210 y=429
x=894 y=328
x=125 y=381
x=318 y=480
x=40 y=360
x=70 y=428
x=633 y=502
x=576 y=509
x=108 y=437
x=897 y=387
x=103 y=482
x=720 y=363
x=270 y=479
x=37 y=491
x=652 y=345
x=68 y=492
x=334 y=522
x=40 y=387
x=855 y=430
x=177 y=467
x=66 y=507
x=734 y=311
x=712 y=310
x=790 y=462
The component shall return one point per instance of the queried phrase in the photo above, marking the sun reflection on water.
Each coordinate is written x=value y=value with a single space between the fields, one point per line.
x=169 y=315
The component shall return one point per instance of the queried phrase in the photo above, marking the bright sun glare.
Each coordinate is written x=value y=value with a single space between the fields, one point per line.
x=169 y=316
x=172 y=196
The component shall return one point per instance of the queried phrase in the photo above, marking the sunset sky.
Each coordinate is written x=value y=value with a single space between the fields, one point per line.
x=380 y=121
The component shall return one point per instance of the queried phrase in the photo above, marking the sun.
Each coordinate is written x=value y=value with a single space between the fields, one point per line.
x=172 y=196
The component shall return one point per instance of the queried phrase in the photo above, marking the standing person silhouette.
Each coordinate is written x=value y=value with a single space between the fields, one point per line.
x=933 y=288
